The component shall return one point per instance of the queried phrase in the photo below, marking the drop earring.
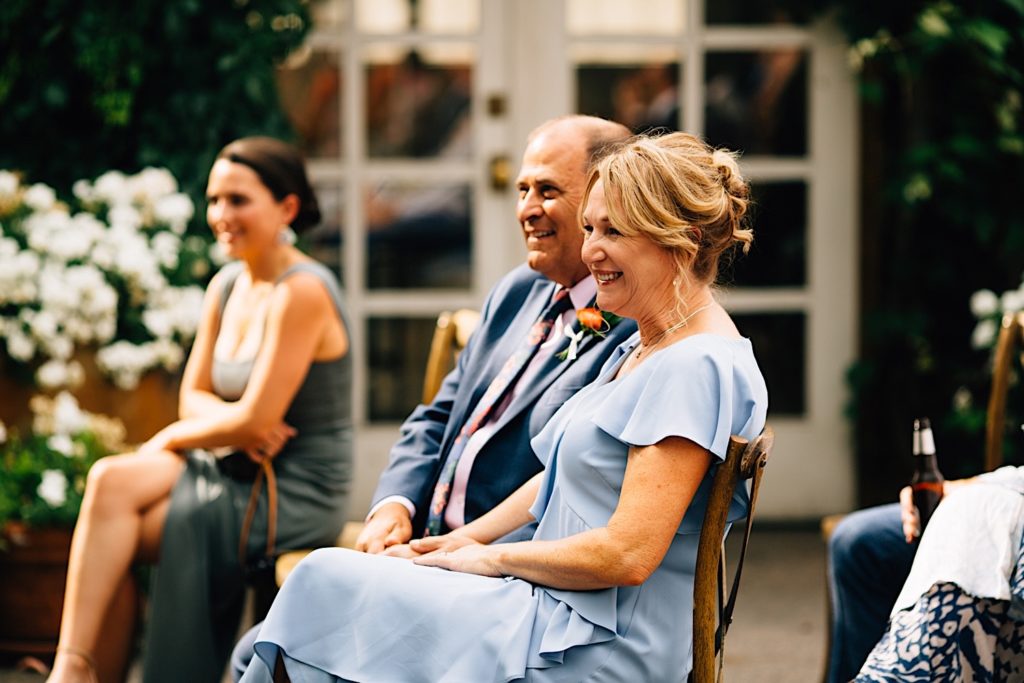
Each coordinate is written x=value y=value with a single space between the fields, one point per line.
x=286 y=236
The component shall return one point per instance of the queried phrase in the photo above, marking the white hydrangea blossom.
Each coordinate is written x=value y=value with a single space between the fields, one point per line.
x=53 y=488
x=176 y=210
x=125 y=362
x=63 y=444
x=124 y=217
x=217 y=254
x=984 y=334
x=68 y=418
x=151 y=185
x=9 y=184
x=40 y=197
x=20 y=346
x=82 y=189
x=984 y=302
x=112 y=188
x=56 y=374
x=1012 y=300
x=65 y=277
x=989 y=308
x=166 y=247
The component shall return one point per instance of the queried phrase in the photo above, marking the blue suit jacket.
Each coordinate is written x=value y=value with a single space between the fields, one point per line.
x=506 y=460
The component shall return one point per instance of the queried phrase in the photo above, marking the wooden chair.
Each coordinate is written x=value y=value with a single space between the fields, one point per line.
x=1009 y=341
x=1011 y=337
x=713 y=602
x=450 y=336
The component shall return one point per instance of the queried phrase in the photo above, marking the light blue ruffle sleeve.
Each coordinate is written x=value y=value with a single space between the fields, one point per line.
x=704 y=388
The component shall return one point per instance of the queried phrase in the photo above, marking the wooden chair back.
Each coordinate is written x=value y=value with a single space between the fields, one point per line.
x=450 y=336
x=713 y=601
x=1011 y=335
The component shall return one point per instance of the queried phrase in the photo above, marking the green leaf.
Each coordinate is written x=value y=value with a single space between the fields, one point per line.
x=1017 y=5
x=1012 y=144
x=989 y=35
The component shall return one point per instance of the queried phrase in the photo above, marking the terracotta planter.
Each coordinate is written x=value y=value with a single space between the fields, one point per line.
x=144 y=410
x=33 y=570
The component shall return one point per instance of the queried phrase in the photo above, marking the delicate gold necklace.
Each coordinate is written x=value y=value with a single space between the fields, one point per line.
x=643 y=346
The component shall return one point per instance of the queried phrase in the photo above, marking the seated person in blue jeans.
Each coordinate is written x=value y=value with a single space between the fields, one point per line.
x=870 y=555
x=960 y=614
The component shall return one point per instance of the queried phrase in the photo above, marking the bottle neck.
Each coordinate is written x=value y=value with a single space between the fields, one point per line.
x=924 y=443
x=926 y=469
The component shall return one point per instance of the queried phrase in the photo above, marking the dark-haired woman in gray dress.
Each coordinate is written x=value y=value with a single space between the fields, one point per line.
x=269 y=377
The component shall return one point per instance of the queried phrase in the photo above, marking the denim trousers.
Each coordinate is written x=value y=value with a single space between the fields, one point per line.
x=869 y=560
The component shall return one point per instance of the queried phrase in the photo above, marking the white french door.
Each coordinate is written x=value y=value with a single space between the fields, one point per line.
x=415 y=112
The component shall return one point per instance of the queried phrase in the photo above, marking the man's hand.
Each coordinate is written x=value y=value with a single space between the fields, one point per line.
x=908 y=515
x=389 y=526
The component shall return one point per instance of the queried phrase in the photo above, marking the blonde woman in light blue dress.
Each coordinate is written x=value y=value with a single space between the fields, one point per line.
x=604 y=591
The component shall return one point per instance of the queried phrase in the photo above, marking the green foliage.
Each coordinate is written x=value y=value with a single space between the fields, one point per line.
x=86 y=87
x=942 y=86
x=42 y=473
x=24 y=461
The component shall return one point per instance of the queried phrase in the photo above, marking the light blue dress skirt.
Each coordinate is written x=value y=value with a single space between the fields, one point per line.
x=348 y=616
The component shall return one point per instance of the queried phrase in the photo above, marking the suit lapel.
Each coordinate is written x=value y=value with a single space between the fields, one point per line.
x=550 y=371
x=497 y=351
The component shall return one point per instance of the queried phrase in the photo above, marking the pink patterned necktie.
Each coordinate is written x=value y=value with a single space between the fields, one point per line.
x=496 y=391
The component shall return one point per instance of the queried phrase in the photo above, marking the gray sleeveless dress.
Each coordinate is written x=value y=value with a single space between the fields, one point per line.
x=198 y=585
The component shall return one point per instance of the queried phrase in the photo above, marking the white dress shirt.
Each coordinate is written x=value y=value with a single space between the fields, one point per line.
x=581 y=294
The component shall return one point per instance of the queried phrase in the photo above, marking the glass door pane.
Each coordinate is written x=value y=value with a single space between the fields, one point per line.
x=309 y=84
x=756 y=102
x=636 y=85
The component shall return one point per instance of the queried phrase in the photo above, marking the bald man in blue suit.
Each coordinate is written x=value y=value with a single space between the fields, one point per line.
x=551 y=183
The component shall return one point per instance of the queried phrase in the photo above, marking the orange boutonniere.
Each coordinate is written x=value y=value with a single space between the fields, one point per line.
x=594 y=322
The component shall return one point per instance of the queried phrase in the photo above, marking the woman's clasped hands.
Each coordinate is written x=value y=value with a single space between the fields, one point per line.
x=456 y=553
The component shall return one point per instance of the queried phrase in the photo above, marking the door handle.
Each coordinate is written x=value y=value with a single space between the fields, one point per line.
x=501 y=172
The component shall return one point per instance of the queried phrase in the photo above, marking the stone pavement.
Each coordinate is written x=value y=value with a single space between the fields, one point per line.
x=778 y=631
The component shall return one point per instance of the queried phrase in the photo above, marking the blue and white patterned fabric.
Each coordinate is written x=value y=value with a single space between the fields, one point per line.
x=950 y=634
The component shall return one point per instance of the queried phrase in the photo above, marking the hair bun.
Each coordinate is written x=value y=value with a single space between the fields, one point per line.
x=729 y=173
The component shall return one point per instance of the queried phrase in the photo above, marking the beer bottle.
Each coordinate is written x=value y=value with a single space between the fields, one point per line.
x=926 y=483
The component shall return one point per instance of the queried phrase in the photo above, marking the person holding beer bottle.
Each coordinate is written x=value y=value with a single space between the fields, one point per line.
x=872 y=564
x=870 y=555
x=960 y=613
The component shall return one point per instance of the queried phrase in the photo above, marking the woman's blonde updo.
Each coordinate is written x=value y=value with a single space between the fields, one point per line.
x=680 y=193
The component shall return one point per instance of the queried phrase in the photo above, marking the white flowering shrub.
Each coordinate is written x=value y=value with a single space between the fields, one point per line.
x=115 y=272
x=44 y=472
x=989 y=308
x=970 y=400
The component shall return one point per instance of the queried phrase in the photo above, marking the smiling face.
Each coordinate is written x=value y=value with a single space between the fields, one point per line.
x=551 y=183
x=243 y=214
x=634 y=275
